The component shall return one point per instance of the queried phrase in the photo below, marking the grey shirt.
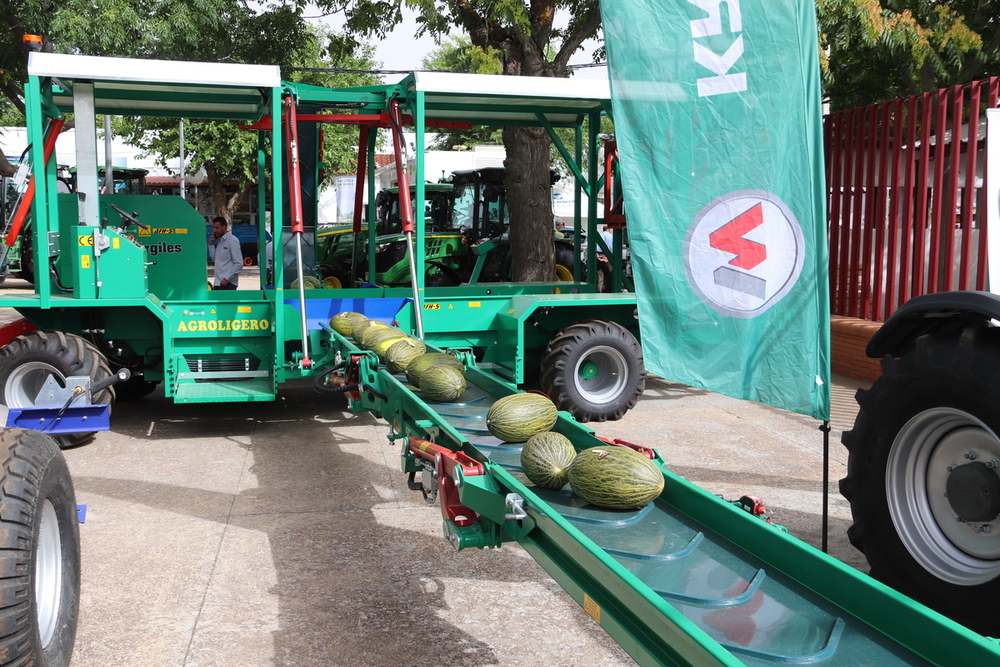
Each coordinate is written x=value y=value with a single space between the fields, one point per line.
x=227 y=254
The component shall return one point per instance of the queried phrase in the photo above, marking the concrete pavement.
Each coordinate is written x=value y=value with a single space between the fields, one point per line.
x=284 y=534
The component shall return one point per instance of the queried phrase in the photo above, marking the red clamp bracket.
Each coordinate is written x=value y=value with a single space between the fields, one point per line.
x=755 y=506
x=445 y=462
x=648 y=452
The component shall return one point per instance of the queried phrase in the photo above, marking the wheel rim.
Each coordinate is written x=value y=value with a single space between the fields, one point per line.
x=925 y=454
x=563 y=274
x=24 y=383
x=48 y=573
x=600 y=374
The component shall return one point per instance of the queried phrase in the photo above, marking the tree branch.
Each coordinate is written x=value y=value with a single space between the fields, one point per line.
x=585 y=29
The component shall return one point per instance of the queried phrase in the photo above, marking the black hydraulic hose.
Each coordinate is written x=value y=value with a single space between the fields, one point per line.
x=55 y=278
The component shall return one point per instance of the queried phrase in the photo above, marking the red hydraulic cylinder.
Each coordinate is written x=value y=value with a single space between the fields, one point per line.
x=29 y=195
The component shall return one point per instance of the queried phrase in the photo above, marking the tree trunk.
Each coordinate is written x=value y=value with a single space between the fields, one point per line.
x=529 y=199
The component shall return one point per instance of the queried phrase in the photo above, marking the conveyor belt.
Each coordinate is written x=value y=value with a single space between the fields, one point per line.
x=689 y=579
x=757 y=613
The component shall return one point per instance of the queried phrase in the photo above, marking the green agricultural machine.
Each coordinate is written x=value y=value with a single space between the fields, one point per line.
x=689 y=579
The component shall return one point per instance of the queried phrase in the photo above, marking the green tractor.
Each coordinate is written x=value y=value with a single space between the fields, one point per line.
x=467 y=223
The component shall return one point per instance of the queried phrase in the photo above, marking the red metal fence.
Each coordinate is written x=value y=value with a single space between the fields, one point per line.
x=905 y=211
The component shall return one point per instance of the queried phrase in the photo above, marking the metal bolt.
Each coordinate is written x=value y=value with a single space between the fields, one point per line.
x=984 y=528
x=959 y=519
x=952 y=467
x=971 y=456
x=993 y=463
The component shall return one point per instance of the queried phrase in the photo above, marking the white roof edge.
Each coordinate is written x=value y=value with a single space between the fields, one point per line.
x=516 y=86
x=100 y=68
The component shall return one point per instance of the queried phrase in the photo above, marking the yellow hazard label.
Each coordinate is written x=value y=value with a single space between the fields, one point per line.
x=212 y=312
x=244 y=309
x=510 y=311
x=180 y=230
x=86 y=240
x=592 y=608
x=148 y=231
x=85 y=261
x=116 y=243
x=475 y=304
x=432 y=306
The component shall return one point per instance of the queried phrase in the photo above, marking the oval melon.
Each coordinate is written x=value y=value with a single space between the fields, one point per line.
x=374 y=336
x=362 y=326
x=342 y=323
x=311 y=282
x=444 y=384
x=517 y=417
x=420 y=364
x=545 y=459
x=615 y=477
x=401 y=352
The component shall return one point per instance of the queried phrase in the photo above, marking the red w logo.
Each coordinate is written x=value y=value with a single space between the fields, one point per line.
x=729 y=238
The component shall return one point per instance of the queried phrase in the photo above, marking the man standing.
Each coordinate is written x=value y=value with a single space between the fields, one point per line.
x=227 y=254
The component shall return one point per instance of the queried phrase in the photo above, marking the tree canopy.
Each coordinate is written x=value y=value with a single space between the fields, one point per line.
x=876 y=50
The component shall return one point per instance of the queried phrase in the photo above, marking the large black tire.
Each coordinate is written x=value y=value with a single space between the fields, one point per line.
x=28 y=361
x=39 y=552
x=922 y=476
x=593 y=369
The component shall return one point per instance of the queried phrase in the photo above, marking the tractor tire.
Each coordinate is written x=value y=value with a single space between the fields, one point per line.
x=922 y=476
x=28 y=361
x=40 y=547
x=593 y=369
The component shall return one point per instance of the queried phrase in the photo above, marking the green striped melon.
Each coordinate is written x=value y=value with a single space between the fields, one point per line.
x=420 y=364
x=615 y=477
x=342 y=323
x=444 y=384
x=545 y=459
x=362 y=326
x=401 y=352
x=374 y=336
x=517 y=417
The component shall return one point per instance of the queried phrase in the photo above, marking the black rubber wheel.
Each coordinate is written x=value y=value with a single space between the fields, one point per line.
x=922 y=476
x=593 y=369
x=27 y=271
x=28 y=361
x=39 y=552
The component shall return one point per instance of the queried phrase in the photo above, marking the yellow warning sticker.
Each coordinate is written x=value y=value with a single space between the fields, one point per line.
x=84 y=261
x=432 y=306
x=116 y=243
x=145 y=231
x=87 y=240
x=592 y=608
x=244 y=309
x=180 y=230
x=475 y=304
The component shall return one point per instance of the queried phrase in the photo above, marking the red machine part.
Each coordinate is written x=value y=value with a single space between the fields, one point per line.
x=55 y=127
x=755 y=506
x=648 y=452
x=402 y=180
x=9 y=332
x=614 y=207
x=445 y=461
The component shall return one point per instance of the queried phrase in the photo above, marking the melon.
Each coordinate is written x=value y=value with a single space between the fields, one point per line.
x=373 y=336
x=311 y=282
x=545 y=459
x=517 y=417
x=444 y=384
x=420 y=364
x=401 y=352
x=342 y=323
x=615 y=477
x=362 y=325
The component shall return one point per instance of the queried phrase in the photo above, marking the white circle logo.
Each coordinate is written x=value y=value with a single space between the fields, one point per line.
x=743 y=253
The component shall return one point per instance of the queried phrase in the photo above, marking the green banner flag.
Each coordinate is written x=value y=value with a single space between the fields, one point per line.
x=718 y=119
